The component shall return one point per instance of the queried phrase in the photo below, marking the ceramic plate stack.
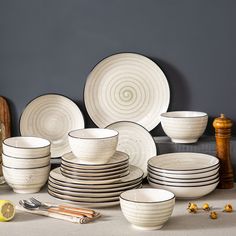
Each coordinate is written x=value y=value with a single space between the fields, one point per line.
x=187 y=175
x=96 y=192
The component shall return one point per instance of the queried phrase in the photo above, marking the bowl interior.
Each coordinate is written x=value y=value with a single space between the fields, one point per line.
x=147 y=195
x=184 y=161
x=183 y=114
x=93 y=133
x=26 y=142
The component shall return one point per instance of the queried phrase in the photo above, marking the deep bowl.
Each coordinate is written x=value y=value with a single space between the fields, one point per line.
x=93 y=145
x=19 y=162
x=183 y=163
x=184 y=126
x=26 y=147
x=26 y=180
x=147 y=209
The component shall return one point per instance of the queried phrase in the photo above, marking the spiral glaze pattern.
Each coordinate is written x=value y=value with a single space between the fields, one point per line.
x=136 y=141
x=51 y=117
x=126 y=86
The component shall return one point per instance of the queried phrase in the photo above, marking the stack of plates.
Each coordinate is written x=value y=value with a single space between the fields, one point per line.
x=187 y=175
x=94 y=185
x=115 y=169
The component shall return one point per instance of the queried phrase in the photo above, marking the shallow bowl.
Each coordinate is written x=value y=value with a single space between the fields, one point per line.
x=183 y=163
x=184 y=126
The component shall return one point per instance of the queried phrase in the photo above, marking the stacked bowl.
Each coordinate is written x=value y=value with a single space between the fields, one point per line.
x=26 y=163
x=94 y=173
x=187 y=175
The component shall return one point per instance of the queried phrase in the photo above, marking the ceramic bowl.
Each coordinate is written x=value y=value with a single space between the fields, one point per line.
x=93 y=145
x=198 y=183
x=19 y=162
x=184 y=126
x=186 y=192
x=147 y=209
x=32 y=147
x=162 y=177
x=203 y=174
x=26 y=180
x=183 y=163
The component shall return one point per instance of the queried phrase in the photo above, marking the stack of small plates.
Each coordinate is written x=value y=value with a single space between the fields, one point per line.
x=95 y=185
x=187 y=175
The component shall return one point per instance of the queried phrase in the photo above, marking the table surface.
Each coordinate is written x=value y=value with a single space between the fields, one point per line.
x=112 y=221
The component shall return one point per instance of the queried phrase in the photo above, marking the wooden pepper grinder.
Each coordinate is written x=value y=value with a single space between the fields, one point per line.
x=222 y=127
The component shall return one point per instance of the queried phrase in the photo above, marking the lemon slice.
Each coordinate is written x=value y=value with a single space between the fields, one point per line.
x=7 y=210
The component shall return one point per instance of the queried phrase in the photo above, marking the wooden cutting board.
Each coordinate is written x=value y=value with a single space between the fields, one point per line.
x=5 y=117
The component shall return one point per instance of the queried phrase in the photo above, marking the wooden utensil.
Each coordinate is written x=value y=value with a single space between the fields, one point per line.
x=70 y=218
x=222 y=127
x=5 y=117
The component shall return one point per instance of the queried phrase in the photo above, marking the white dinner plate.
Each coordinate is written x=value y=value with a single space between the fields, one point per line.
x=88 y=195
x=97 y=188
x=136 y=141
x=117 y=159
x=84 y=204
x=61 y=186
x=135 y=174
x=126 y=86
x=52 y=116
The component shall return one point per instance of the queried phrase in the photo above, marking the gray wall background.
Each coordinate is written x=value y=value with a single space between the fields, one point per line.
x=51 y=46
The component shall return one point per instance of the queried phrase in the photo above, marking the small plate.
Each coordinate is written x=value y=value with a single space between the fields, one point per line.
x=136 y=141
x=111 y=174
x=126 y=86
x=52 y=116
x=101 y=171
x=117 y=159
x=94 y=178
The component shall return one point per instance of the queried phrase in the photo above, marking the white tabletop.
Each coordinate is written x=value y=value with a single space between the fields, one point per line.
x=112 y=221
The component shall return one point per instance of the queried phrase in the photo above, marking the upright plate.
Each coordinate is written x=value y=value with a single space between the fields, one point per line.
x=126 y=86
x=51 y=117
x=136 y=141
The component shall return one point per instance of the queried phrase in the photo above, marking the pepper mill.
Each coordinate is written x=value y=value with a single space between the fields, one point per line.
x=222 y=127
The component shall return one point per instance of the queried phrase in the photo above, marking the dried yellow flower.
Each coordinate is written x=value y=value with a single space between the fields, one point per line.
x=192 y=207
x=213 y=215
x=206 y=207
x=228 y=208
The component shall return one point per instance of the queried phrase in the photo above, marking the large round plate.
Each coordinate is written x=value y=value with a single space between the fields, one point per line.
x=117 y=159
x=51 y=117
x=97 y=188
x=62 y=186
x=134 y=175
x=54 y=188
x=136 y=141
x=84 y=204
x=126 y=86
